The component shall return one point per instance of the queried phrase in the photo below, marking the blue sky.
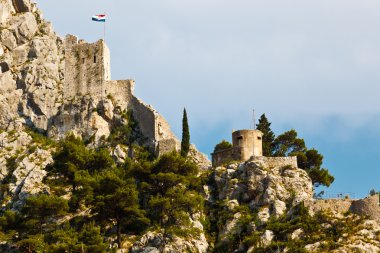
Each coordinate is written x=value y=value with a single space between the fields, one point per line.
x=309 y=65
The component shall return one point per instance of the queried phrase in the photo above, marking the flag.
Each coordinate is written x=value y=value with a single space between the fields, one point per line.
x=99 y=18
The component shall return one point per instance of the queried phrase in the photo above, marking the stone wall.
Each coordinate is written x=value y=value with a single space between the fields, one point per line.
x=250 y=142
x=166 y=146
x=234 y=154
x=368 y=206
x=272 y=162
x=334 y=205
x=227 y=155
x=120 y=91
x=245 y=144
x=153 y=125
x=87 y=87
x=87 y=68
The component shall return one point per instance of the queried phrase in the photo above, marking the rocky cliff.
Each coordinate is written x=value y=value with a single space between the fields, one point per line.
x=50 y=87
x=59 y=86
x=259 y=206
x=32 y=66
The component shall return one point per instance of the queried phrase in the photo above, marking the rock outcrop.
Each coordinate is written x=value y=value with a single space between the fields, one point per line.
x=264 y=193
x=32 y=65
x=59 y=86
x=266 y=184
x=22 y=164
x=156 y=242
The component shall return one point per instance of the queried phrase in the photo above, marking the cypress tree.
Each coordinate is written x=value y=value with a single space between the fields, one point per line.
x=268 y=137
x=185 y=143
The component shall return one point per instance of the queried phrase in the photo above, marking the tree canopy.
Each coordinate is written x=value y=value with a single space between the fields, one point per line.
x=223 y=145
x=289 y=144
x=268 y=135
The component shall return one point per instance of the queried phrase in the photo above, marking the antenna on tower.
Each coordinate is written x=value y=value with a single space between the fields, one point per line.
x=253 y=123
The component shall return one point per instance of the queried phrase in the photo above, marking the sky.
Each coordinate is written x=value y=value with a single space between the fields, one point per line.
x=309 y=65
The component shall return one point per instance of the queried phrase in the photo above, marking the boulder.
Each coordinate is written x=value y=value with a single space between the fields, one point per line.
x=25 y=26
x=120 y=153
x=108 y=109
x=20 y=55
x=8 y=39
x=266 y=238
x=5 y=11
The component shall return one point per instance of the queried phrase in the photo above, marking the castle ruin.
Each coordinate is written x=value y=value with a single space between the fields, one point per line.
x=87 y=67
x=88 y=81
x=245 y=144
x=368 y=206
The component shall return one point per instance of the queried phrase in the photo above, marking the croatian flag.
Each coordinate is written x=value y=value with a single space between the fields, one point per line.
x=99 y=18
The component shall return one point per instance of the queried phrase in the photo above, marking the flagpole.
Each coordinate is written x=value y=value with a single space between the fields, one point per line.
x=104 y=32
x=104 y=38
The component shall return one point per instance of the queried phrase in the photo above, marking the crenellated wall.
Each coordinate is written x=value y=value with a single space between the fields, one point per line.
x=87 y=68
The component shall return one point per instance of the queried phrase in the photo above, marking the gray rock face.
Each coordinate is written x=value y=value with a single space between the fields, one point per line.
x=36 y=84
x=8 y=39
x=33 y=53
x=266 y=184
x=263 y=186
x=22 y=163
x=155 y=242
x=24 y=27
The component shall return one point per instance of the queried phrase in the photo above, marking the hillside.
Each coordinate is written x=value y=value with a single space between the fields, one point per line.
x=86 y=166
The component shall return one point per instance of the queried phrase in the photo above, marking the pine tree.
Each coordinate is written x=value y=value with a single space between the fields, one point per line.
x=185 y=143
x=268 y=135
x=116 y=202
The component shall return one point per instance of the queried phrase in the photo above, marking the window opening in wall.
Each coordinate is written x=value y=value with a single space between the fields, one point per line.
x=94 y=58
x=240 y=140
x=82 y=60
x=259 y=138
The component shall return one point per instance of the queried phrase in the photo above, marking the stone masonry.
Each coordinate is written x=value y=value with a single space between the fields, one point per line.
x=245 y=144
x=87 y=67
x=88 y=88
x=368 y=206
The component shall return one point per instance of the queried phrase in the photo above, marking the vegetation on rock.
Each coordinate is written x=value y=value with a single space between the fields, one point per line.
x=288 y=144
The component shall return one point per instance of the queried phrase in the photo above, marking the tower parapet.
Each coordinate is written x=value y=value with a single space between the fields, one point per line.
x=249 y=141
x=245 y=144
x=87 y=67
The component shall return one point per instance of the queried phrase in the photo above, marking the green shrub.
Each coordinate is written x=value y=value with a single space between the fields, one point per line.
x=223 y=145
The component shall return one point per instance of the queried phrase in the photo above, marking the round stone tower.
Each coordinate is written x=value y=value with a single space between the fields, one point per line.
x=250 y=143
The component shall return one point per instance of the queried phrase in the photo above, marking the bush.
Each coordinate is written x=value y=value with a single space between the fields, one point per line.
x=223 y=145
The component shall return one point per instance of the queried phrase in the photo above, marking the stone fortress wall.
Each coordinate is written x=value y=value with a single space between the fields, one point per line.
x=88 y=74
x=87 y=67
x=154 y=127
x=273 y=162
x=368 y=206
x=245 y=144
x=249 y=141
